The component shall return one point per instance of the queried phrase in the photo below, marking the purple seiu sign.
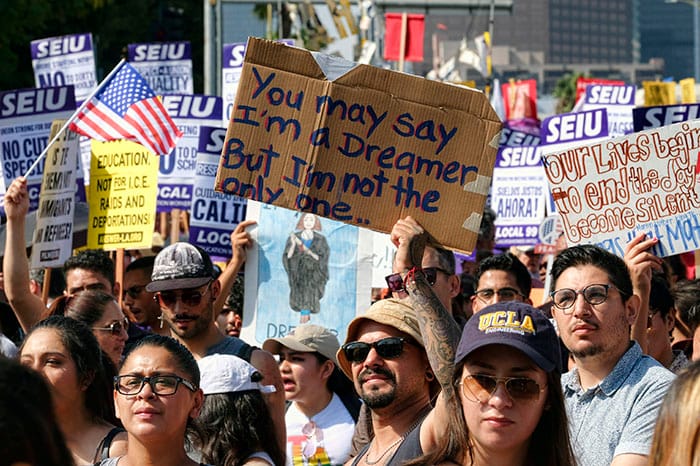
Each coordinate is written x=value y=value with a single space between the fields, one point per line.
x=25 y=125
x=518 y=195
x=176 y=170
x=166 y=66
x=65 y=60
x=663 y=115
x=213 y=215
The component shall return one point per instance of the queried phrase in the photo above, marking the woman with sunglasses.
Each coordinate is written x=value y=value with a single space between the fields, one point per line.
x=78 y=373
x=501 y=399
x=99 y=311
x=157 y=397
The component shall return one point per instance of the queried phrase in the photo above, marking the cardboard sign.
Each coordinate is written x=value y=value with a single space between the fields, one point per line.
x=610 y=191
x=122 y=196
x=368 y=147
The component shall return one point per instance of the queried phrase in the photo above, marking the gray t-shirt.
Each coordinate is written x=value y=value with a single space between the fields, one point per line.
x=618 y=415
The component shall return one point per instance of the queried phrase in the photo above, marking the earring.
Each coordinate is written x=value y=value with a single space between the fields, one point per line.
x=160 y=318
x=429 y=376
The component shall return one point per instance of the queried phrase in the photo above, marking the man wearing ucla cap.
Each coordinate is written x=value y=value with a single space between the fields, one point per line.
x=320 y=418
x=614 y=392
x=384 y=355
x=184 y=285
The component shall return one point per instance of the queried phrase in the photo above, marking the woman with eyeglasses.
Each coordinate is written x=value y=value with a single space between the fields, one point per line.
x=157 y=397
x=101 y=312
x=66 y=353
x=501 y=399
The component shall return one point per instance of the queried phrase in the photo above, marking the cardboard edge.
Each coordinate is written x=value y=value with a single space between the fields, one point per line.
x=267 y=53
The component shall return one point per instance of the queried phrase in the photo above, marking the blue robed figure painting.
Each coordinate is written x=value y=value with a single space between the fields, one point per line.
x=307 y=272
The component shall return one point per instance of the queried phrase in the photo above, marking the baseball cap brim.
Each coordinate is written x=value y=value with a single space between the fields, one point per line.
x=542 y=362
x=177 y=284
x=274 y=345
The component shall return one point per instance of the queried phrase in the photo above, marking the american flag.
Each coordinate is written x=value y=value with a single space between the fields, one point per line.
x=127 y=108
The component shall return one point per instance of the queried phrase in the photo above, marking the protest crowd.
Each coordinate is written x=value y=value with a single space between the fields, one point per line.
x=523 y=353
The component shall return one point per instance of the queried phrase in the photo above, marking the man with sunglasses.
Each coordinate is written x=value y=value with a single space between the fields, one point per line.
x=385 y=358
x=438 y=264
x=184 y=285
x=614 y=392
x=138 y=301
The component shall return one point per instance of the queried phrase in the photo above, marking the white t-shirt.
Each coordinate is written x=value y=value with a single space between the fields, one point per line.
x=332 y=435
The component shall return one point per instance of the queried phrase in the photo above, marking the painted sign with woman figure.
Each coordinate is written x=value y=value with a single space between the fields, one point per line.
x=303 y=268
x=305 y=259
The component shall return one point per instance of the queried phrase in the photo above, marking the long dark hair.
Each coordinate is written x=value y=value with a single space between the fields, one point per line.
x=235 y=425
x=92 y=365
x=28 y=428
x=549 y=443
x=88 y=306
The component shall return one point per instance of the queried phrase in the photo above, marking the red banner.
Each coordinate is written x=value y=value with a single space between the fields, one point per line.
x=415 y=30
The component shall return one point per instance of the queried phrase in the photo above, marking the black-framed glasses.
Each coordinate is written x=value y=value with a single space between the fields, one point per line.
x=116 y=327
x=190 y=298
x=134 y=291
x=162 y=385
x=504 y=294
x=387 y=348
x=594 y=294
x=481 y=387
x=395 y=283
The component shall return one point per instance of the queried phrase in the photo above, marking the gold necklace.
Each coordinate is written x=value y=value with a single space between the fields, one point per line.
x=393 y=445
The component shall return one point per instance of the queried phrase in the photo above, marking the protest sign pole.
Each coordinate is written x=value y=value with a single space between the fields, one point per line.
x=119 y=273
x=46 y=286
x=72 y=117
x=402 y=47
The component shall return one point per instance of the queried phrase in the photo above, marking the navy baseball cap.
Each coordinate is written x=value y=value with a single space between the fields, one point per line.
x=514 y=324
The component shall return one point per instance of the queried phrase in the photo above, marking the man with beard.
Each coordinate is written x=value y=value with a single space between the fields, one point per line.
x=184 y=284
x=614 y=392
x=385 y=358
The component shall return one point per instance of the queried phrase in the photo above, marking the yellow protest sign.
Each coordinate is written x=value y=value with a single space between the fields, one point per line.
x=123 y=191
x=688 y=91
x=659 y=93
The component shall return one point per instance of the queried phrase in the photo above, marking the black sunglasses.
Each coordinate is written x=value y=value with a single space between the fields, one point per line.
x=190 y=298
x=387 y=348
x=395 y=283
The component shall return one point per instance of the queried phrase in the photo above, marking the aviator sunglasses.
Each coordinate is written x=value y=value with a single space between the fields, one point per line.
x=481 y=387
x=387 y=348
x=115 y=328
x=190 y=298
